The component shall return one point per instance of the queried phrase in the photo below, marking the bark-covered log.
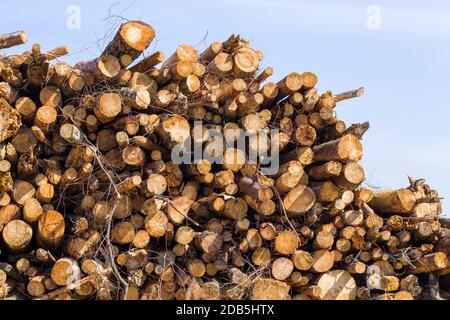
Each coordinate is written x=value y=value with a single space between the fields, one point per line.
x=12 y=39
x=132 y=39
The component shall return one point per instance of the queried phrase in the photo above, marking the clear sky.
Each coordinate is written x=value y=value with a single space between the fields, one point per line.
x=398 y=50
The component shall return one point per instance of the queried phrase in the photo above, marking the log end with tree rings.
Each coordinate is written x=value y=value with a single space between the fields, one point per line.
x=109 y=66
x=246 y=61
x=51 y=228
x=337 y=285
x=137 y=35
x=299 y=200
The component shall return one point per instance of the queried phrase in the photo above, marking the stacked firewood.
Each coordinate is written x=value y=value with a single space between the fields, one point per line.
x=93 y=204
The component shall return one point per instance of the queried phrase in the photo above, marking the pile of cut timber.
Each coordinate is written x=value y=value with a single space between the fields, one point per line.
x=93 y=205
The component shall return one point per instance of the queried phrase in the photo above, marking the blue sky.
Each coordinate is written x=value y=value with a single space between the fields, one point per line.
x=404 y=65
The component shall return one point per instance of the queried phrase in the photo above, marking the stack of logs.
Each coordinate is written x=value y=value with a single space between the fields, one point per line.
x=92 y=205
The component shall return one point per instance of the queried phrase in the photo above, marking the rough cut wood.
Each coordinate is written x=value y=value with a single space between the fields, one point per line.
x=149 y=62
x=17 y=235
x=286 y=242
x=431 y=262
x=399 y=201
x=349 y=94
x=289 y=84
x=65 y=271
x=103 y=68
x=179 y=208
x=12 y=39
x=174 y=130
x=94 y=205
x=351 y=176
x=299 y=200
x=268 y=289
x=347 y=148
x=246 y=62
x=337 y=285
x=51 y=227
x=325 y=171
x=323 y=260
x=302 y=260
x=132 y=39
x=10 y=120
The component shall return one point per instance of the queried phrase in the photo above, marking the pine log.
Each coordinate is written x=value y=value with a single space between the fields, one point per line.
x=261 y=256
x=337 y=285
x=305 y=135
x=179 y=208
x=302 y=260
x=430 y=262
x=134 y=156
x=50 y=96
x=45 y=118
x=246 y=62
x=303 y=154
x=399 y=201
x=132 y=39
x=286 y=242
x=17 y=235
x=35 y=286
x=358 y=129
x=384 y=283
x=10 y=120
x=325 y=171
x=289 y=84
x=209 y=242
x=255 y=189
x=323 y=260
x=212 y=50
x=235 y=208
x=267 y=231
x=347 y=148
x=351 y=176
x=26 y=108
x=349 y=94
x=221 y=64
x=103 y=68
x=299 y=200
x=7 y=92
x=138 y=98
x=148 y=63
x=260 y=78
x=325 y=191
x=12 y=39
x=51 y=227
x=270 y=92
x=156 y=225
x=309 y=80
x=353 y=218
x=65 y=271
x=174 y=130
x=282 y=268
x=123 y=233
x=265 y=208
x=269 y=289
x=323 y=240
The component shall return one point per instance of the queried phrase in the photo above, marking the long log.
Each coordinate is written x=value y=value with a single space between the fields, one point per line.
x=399 y=201
x=12 y=39
x=132 y=39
